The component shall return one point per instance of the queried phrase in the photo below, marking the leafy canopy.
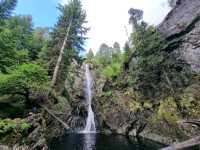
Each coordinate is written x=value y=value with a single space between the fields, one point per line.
x=23 y=78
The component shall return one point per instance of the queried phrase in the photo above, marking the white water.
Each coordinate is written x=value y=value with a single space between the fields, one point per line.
x=90 y=122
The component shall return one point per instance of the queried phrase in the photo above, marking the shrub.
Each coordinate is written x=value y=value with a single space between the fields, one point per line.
x=23 y=80
x=17 y=126
x=112 y=70
x=156 y=67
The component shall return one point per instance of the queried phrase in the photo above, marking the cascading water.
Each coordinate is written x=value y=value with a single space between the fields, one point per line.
x=90 y=122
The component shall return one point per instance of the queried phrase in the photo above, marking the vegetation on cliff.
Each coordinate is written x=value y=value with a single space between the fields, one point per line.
x=146 y=86
x=27 y=62
x=150 y=83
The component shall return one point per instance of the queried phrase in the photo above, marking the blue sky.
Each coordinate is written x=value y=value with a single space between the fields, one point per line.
x=44 y=12
x=108 y=19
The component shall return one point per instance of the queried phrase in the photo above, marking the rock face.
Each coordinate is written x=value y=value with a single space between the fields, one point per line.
x=183 y=24
x=77 y=97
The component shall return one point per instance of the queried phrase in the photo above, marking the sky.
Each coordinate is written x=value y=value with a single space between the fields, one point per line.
x=107 y=19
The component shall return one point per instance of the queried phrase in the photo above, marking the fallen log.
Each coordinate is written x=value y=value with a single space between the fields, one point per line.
x=55 y=117
x=186 y=144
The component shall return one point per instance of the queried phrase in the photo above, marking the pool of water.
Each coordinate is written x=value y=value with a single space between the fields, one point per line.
x=102 y=142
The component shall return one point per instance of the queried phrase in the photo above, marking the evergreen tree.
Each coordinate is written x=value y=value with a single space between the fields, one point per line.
x=116 y=48
x=67 y=39
x=135 y=16
x=6 y=7
x=90 y=55
x=156 y=68
x=104 y=55
x=7 y=50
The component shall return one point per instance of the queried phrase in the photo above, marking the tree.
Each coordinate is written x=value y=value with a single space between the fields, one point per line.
x=116 y=48
x=6 y=8
x=24 y=36
x=157 y=68
x=37 y=42
x=24 y=80
x=135 y=16
x=67 y=38
x=104 y=55
x=90 y=55
x=7 y=50
x=104 y=50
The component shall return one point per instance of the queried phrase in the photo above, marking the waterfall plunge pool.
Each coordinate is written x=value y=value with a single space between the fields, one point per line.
x=102 y=142
x=88 y=139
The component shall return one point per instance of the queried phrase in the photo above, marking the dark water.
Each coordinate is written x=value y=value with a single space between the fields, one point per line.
x=101 y=142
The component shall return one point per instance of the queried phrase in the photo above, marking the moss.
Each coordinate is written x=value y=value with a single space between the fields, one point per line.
x=190 y=101
x=147 y=105
x=168 y=111
x=135 y=106
x=165 y=119
x=107 y=94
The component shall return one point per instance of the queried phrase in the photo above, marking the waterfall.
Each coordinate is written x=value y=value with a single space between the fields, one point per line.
x=90 y=122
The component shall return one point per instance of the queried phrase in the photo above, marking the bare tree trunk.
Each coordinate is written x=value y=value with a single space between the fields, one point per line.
x=55 y=117
x=187 y=144
x=57 y=67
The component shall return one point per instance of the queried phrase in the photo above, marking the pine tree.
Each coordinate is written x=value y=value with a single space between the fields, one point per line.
x=90 y=55
x=67 y=39
x=6 y=8
x=157 y=68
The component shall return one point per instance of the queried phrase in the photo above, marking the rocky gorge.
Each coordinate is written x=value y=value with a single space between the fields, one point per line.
x=119 y=108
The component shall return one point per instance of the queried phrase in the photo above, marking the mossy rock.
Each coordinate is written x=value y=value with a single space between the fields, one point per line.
x=165 y=119
x=135 y=106
x=190 y=101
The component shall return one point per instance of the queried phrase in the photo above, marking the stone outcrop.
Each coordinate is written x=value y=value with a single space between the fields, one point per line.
x=182 y=25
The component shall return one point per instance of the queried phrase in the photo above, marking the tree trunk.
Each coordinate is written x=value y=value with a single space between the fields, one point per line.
x=187 y=144
x=57 y=67
x=55 y=117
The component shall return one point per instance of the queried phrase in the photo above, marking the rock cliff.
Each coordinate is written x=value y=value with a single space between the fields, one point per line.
x=182 y=25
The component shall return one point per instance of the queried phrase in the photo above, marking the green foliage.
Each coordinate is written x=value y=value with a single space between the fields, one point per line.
x=112 y=70
x=108 y=60
x=23 y=79
x=19 y=43
x=135 y=106
x=73 y=18
x=22 y=56
x=90 y=56
x=8 y=126
x=7 y=49
x=190 y=101
x=6 y=7
x=167 y=117
x=107 y=94
x=104 y=55
x=156 y=68
x=62 y=104
x=25 y=37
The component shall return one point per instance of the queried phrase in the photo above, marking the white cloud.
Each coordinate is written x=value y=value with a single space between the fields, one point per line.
x=108 y=18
